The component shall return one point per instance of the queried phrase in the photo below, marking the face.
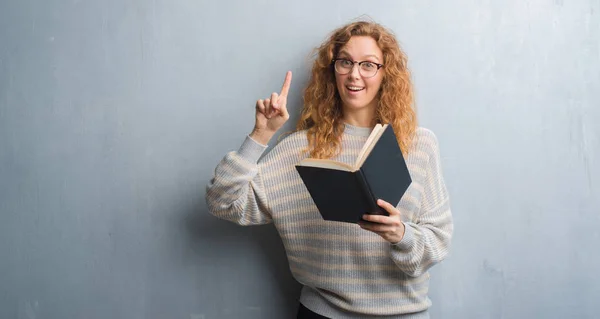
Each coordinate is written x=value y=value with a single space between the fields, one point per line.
x=358 y=91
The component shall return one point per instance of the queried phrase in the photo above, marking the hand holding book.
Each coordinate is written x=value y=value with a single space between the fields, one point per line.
x=345 y=192
x=390 y=228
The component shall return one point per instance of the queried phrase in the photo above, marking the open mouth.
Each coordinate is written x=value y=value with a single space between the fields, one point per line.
x=355 y=88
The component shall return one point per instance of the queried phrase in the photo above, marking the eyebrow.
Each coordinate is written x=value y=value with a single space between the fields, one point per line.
x=368 y=55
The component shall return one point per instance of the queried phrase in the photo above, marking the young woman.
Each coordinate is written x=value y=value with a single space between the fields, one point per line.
x=378 y=267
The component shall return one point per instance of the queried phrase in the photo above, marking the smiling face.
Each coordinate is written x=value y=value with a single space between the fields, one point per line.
x=357 y=91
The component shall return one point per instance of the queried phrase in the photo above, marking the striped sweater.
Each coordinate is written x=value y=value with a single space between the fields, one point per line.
x=346 y=271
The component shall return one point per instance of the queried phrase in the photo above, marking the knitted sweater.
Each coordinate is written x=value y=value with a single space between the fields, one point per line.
x=346 y=271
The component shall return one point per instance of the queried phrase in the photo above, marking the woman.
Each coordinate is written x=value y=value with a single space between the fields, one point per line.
x=378 y=267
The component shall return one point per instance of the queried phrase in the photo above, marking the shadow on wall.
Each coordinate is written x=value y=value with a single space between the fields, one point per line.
x=208 y=232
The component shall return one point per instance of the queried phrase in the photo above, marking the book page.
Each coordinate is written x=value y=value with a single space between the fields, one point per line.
x=326 y=163
x=371 y=141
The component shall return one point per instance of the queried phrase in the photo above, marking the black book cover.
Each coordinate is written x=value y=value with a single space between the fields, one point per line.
x=346 y=195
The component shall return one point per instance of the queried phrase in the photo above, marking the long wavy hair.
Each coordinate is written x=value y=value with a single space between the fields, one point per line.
x=322 y=112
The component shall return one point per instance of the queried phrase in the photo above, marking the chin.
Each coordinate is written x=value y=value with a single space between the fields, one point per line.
x=356 y=105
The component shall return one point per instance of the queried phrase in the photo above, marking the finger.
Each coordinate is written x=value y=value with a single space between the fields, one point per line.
x=268 y=109
x=380 y=219
x=286 y=84
x=388 y=207
x=377 y=228
x=274 y=100
x=260 y=106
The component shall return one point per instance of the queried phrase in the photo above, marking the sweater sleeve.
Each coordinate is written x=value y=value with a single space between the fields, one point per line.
x=427 y=240
x=236 y=191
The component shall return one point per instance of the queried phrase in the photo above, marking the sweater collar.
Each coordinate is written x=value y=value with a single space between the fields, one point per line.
x=357 y=130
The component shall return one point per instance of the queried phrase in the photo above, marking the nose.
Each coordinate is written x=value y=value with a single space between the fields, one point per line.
x=355 y=72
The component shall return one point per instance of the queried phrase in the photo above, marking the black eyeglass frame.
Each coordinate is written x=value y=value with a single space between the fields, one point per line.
x=379 y=66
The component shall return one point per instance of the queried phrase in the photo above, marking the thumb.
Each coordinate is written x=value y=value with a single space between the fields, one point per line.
x=275 y=100
x=282 y=105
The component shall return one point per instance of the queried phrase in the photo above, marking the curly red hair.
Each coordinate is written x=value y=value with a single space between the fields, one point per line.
x=322 y=112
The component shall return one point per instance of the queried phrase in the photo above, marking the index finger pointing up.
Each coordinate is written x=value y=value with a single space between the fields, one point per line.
x=286 y=84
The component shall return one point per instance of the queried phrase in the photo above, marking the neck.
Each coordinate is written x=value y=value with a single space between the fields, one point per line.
x=364 y=117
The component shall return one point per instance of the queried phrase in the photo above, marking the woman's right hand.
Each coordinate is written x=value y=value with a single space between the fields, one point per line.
x=271 y=113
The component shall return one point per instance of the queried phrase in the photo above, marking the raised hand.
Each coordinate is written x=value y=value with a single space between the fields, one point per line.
x=271 y=113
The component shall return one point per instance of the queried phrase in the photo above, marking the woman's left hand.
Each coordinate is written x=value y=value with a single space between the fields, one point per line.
x=390 y=228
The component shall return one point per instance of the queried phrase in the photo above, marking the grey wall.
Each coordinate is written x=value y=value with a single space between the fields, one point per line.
x=114 y=113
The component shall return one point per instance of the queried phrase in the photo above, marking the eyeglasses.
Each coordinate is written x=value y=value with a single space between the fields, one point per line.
x=366 y=69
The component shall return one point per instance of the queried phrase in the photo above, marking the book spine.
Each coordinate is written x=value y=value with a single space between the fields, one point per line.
x=369 y=196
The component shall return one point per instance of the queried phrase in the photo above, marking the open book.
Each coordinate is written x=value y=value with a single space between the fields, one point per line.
x=344 y=192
